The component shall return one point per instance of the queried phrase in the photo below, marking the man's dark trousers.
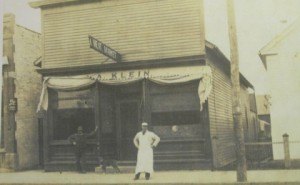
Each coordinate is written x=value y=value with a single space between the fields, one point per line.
x=80 y=160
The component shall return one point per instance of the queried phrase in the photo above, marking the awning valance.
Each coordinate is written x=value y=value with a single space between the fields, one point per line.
x=170 y=75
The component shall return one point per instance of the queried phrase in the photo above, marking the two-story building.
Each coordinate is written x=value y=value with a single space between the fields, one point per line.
x=115 y=64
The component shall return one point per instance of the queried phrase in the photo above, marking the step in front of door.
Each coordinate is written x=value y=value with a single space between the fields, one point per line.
x=174 y=164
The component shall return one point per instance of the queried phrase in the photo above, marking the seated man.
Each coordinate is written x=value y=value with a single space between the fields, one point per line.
x=79 y=140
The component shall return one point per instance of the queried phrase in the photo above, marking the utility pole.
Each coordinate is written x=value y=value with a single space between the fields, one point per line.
x=235 y=80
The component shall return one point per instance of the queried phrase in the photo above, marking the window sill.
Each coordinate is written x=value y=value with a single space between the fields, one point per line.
x=66 y=142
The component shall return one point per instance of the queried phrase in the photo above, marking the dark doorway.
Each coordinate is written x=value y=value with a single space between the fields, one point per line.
x=128 y=122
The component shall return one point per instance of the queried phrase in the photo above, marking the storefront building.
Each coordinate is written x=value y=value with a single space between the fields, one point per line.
x=115 y=64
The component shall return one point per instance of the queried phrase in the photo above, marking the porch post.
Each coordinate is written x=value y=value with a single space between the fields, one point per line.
x=287 y=158
x=99 y=145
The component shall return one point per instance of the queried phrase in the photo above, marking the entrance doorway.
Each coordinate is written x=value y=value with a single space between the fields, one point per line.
x=128 y=125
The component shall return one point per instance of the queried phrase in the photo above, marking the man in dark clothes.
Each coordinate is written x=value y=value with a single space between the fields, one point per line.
x=79 y=140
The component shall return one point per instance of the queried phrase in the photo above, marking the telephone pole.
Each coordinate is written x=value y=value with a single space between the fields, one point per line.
x=235 y=80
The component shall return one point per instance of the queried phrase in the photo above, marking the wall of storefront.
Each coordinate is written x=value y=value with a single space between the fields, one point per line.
x=172 y=111
x=132 y=28
x=220 y=113
x=220 y=110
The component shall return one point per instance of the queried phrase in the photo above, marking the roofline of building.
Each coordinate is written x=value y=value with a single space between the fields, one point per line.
x=219 y=52
x=263 y=52
x=279 y=37
x=45 y=3
x=28 y=29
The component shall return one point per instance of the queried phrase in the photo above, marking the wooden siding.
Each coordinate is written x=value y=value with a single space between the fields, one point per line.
x=138 y=29
x=220 y=114
x=250 y=122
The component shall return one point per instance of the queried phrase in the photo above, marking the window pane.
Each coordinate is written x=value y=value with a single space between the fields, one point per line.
x=70 y=110
x=175 y=104
x=178 y=97
x=66 y=122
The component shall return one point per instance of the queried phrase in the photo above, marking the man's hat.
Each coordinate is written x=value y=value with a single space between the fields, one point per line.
x=145 y=124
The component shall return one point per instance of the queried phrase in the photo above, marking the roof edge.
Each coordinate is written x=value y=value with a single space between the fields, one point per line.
x=23 y=27
x=265 y=50
x=214 y=48
x=41 y=3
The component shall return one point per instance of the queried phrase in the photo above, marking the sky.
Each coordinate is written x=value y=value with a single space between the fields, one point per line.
x=257 y=21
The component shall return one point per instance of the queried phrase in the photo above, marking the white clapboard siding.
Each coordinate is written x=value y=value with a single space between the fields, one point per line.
x=220 y=114
x=137 y=29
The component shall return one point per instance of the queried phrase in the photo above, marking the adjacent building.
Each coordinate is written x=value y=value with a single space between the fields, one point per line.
x=263 y=103
x=281 y=58
x=19 y=147
x=115 y=64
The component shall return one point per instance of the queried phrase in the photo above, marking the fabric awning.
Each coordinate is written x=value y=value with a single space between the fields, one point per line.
x=164 y=76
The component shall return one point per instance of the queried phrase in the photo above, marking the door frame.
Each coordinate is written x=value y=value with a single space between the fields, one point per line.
x=119 y=125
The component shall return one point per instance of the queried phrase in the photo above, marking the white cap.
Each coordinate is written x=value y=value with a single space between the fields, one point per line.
x=144 y=124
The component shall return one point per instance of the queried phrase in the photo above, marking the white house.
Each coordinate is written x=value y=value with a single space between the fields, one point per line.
x=281 y=58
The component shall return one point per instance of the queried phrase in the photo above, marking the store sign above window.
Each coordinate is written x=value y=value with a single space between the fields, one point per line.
x=104 y=49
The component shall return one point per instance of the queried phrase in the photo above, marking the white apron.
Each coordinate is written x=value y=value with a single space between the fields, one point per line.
x=145 y=151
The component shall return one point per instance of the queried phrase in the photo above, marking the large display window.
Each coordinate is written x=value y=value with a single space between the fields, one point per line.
x=71 y=109
x=175 y=109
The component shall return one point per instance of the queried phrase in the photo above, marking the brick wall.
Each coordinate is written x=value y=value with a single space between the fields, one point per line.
x=28 y=87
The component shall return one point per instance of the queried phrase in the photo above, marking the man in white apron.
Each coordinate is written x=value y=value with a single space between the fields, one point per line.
x=145 y=141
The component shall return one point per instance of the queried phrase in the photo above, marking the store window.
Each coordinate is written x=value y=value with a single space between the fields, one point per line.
x=72 y=109
x=175 y=104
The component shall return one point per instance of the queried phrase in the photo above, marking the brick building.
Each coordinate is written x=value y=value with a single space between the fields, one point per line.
x=21 y=87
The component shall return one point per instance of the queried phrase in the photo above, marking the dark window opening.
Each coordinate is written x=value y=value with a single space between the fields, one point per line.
x=70 y=110
x=67 y=121
x=175 y=104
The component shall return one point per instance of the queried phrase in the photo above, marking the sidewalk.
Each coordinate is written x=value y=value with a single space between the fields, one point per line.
x=270 y=177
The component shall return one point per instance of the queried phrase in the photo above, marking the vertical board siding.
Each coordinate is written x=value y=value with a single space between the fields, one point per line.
x=221 y=117
x=220 y=114
x=139 y=30
x=249 y=117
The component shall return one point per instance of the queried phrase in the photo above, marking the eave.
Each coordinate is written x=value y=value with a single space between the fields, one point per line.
x=45 y=3
x=182 y=61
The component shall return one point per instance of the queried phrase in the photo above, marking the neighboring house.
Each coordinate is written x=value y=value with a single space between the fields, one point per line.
x=281 y=58
x=263 y=103
x=21 y=85
x=160 y=70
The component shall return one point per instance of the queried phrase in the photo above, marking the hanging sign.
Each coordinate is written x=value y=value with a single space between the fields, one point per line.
x=104 y=49
x=12 y=106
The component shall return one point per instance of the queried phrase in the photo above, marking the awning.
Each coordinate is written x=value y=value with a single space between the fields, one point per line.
x=164 y=76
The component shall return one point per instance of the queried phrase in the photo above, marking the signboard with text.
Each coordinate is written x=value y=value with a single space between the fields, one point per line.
x=104 y=49
x=12 y=106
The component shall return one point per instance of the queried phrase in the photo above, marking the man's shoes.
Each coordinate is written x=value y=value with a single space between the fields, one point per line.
x=147 y=176
x=137 y=176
